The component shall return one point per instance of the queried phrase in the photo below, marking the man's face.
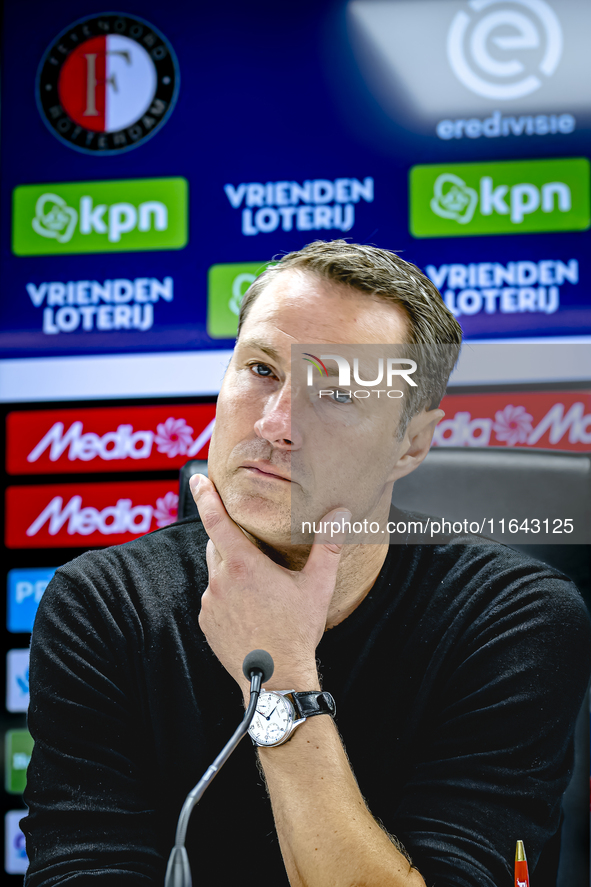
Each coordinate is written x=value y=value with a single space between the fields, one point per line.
x=274 y=443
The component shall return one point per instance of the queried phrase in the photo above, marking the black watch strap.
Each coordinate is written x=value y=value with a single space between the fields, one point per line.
x=313 y=702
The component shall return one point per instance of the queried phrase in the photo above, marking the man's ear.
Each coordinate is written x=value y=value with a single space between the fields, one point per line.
x=416 y=442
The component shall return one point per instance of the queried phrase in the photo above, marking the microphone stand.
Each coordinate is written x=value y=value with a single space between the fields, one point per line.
x=178 y=870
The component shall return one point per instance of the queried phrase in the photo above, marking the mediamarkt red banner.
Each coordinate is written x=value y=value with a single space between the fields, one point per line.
x=84 y=515
x=68 y=441
x=552 y=420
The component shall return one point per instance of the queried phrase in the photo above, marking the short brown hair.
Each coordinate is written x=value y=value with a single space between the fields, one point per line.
x=381 y=273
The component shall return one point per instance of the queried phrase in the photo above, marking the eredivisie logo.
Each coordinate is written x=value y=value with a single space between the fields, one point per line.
x=107 y=83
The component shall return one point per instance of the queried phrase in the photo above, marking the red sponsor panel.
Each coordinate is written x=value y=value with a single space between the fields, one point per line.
x=68 y=441
x=551 y=420
x=86 y=515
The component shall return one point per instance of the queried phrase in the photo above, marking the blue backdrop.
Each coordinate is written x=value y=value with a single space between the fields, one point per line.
x=298 y=92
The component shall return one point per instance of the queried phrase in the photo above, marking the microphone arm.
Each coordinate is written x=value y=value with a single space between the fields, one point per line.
x=257 y=667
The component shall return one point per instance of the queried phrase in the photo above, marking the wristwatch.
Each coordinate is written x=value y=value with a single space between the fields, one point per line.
x=280 y=712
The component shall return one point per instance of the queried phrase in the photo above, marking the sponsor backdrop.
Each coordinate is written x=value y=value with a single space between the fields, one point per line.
x=76 y=478
x=154 y=161
x=142 y=190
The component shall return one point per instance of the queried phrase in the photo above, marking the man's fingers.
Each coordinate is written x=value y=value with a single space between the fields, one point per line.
x=212 y=557
x=326 y=551
x=227 y=536
x=334 y=529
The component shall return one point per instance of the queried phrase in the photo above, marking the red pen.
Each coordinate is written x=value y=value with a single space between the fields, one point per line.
x=521 y=873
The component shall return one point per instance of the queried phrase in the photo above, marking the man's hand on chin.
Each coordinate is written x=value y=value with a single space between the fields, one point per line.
x=253 y=603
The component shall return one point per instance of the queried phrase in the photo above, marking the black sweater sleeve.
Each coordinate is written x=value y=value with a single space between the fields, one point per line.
x=496 y=753
x=88 y=782
x=486 y=656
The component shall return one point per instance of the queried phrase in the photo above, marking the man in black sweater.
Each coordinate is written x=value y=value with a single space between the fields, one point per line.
x=458 y=668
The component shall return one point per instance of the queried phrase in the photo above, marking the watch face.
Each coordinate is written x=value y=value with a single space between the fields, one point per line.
x=272 y=719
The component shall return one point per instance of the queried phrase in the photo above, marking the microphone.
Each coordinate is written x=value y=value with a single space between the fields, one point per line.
x=258 y=660
x=257 y=667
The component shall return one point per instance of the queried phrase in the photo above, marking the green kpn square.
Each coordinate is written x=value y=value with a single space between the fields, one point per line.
x=504 y=197
x=18 y=748
x=127 y=215
x=226 y=286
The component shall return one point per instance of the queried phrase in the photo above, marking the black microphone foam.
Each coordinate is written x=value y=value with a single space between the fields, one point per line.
x=258 y=659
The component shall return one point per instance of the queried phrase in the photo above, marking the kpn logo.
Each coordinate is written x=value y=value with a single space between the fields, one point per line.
x=226 y=287
x=506 y=197
x=128 y=215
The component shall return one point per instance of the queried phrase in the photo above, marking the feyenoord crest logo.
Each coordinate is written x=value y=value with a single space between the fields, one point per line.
x=107 y=83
